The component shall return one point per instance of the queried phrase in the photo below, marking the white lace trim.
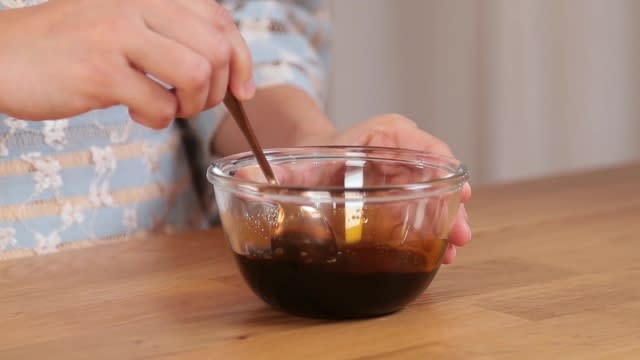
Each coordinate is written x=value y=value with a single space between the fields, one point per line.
x=46 y=171
x=7 y=238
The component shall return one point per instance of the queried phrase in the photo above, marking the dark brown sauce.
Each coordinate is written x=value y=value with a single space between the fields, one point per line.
x=361 y=280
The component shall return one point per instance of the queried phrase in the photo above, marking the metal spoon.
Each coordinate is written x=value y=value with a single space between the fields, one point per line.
x=302 y=232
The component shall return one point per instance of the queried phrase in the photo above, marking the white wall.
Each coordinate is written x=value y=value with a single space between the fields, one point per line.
x=519 y=88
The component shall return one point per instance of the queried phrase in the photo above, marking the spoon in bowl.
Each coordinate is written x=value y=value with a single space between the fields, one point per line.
x=302 y=232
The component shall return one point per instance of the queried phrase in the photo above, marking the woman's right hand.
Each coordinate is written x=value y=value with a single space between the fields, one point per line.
x=67 y=57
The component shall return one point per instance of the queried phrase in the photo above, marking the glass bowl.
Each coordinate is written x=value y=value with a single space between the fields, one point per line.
x=389 y=211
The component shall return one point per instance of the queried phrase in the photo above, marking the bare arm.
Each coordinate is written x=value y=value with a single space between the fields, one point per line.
x=281 y=115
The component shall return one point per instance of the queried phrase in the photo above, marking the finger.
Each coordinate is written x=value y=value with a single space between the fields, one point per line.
x=241 y=73
x=210 y=32
x=423 y=141
x=219 y=82
x=174 y=64
x=450 y=254
x=149 y=103
x=460 y=233
x=241 y=70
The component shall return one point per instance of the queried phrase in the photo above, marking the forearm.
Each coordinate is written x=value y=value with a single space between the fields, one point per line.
x=280 y=116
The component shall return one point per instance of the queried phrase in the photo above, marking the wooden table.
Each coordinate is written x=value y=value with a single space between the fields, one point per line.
x=553 y=273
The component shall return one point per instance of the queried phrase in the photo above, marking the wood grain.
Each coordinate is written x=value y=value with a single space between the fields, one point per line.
x=551 y=274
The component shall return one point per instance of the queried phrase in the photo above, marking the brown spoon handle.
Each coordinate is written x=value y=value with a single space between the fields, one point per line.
x=240 y=116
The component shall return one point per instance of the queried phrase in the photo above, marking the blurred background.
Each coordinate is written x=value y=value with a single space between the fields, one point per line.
x=518 y=88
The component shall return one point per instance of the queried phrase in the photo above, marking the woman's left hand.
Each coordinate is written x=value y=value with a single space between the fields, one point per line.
x=393 y=130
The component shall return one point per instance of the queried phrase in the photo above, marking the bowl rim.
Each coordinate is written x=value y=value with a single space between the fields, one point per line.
x=456 y=177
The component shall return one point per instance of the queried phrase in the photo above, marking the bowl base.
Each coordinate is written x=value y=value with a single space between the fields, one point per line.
x=347 y=288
